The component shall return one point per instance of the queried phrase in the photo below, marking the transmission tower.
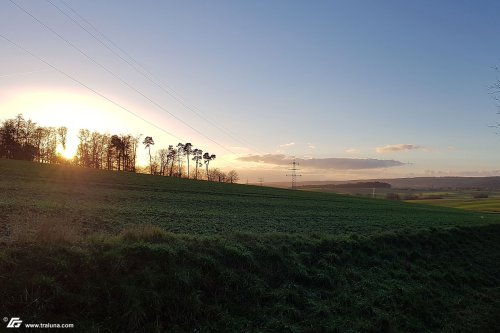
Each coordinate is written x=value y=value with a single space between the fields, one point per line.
x=261 y=181
x=294 y=174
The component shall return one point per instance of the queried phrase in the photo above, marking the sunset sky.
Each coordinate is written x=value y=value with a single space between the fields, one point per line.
x=353 y=89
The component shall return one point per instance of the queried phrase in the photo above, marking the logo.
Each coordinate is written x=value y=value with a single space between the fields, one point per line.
x=15 y=322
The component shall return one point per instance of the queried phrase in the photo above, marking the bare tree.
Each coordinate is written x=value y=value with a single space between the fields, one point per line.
x=172 y=153
x=162 y=155
x=148 y=142
x=117 y=144
x=232 y=176
x=62 y=132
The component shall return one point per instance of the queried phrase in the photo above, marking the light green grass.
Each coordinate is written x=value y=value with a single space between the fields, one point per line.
x=487 y=205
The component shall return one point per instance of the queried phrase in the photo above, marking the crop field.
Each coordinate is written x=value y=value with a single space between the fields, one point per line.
x=486 y=205
x=102 y=201
x=123 y=252
x=461 y=199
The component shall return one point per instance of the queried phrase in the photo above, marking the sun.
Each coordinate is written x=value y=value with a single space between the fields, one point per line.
x=67 y=153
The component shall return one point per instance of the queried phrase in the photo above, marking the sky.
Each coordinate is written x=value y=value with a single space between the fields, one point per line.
x=351 y=89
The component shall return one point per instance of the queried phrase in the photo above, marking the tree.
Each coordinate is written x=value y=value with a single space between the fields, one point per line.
x=62 y=132
x=217 y=175
x=180 y=152
x=207 y=158
x=188 y=150
x=197 y=157
x=162 y=156
x=232 y=176
x=148 y=142
x=118 y=147
x=172 y=153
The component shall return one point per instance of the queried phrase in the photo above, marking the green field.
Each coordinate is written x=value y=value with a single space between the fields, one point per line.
x=114 y=251
x=458 y=198
x=486 y=205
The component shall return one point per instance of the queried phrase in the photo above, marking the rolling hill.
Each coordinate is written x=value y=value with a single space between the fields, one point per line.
x=115 y=251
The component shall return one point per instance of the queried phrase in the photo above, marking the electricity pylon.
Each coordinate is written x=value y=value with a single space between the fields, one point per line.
x=294 y=174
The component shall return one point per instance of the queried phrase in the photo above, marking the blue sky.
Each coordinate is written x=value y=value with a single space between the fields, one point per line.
x=322 y=80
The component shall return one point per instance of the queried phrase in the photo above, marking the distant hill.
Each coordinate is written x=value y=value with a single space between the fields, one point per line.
x=416 y=182
x=351 y=185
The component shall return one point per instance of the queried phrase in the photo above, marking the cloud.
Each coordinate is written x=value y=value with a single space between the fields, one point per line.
x=312 y=146
x=324 y=163
x=398 y=147
x=288 y=144
x=352 y=151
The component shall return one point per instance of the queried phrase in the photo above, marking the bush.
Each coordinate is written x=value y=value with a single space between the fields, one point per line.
x=480 y=196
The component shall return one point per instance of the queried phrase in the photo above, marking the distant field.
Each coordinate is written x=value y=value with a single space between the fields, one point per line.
x=121 y=252
x=490 y=205
x=460 y=199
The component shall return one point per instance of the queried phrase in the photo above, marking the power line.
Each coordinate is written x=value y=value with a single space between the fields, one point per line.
x=144 y=72
x=25 y=73
x=118 y=77
x=89 y=88
x=96 y=92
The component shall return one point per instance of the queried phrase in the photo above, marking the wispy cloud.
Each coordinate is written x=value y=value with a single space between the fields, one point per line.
x=398 y=147
x=324 y=163
x=288 y=144
x=352 y=151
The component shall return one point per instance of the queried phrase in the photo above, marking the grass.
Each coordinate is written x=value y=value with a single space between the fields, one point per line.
x=113 y=252
x=105 y=201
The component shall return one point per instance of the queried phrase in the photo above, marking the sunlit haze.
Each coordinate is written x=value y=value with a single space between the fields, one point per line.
x=352 y=89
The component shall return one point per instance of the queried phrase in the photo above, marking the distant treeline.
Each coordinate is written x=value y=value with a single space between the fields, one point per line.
x=352 y=185
x=24 y=140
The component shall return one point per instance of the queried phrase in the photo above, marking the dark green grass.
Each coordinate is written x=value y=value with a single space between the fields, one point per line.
x=108 y=200
x=432 y=281
x=238 y=258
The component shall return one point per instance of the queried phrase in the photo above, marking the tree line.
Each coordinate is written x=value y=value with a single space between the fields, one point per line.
x=24 y=140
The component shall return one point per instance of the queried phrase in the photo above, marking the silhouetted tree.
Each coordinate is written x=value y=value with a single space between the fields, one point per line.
x=188 y=150
x=172 y=153
x=197 y=157
x=232 y=176
x=148 y=142
x=207 y=158
x=180 y=153
x=162 y=156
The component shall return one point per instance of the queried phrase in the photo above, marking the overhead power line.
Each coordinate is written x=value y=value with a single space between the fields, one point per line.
x=88 y=87
x=24 y=73
x=117 y=76
x=144 y=72
x=96 y=92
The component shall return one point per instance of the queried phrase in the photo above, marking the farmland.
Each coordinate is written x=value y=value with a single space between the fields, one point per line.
x=455 y=198
x=106 y=201
x=111 y=251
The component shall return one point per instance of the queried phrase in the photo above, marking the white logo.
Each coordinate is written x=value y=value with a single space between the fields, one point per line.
x=15 y=322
